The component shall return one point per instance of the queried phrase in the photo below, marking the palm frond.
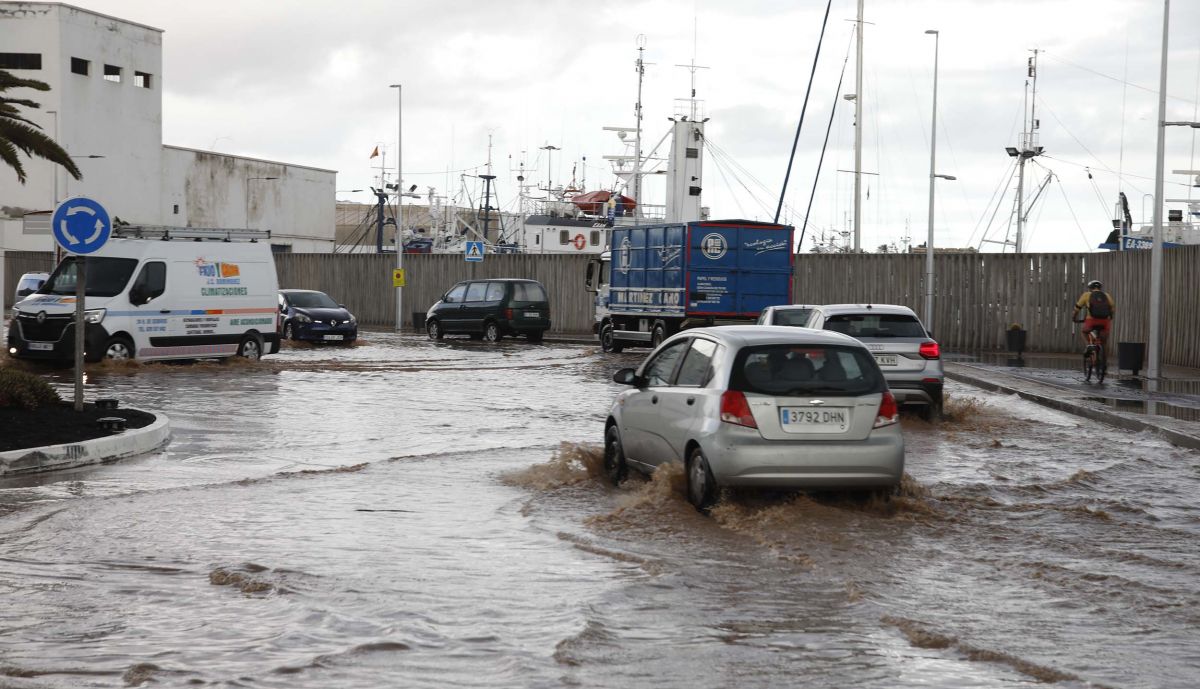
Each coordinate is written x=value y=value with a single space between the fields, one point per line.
x=8 y=80
x=34 y=142
x=8 y=154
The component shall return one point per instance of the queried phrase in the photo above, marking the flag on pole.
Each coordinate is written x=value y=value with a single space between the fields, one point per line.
x=375 y=153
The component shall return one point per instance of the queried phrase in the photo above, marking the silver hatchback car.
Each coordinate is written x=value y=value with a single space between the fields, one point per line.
x=910 y=359
x=757 y=406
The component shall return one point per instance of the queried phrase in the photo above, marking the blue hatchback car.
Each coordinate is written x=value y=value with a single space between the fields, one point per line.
x=313 y=316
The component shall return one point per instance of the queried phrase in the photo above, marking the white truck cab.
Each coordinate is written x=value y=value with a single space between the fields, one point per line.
x=156 y=293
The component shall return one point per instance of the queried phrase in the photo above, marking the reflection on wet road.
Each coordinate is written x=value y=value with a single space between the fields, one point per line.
x=405 y=513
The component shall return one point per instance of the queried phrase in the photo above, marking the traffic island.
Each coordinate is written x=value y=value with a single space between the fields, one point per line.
x=56 y=437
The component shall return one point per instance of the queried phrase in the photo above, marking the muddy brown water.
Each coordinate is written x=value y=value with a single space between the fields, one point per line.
x=405 y=513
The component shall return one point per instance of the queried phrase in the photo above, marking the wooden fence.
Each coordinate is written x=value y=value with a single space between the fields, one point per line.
x=976 y=296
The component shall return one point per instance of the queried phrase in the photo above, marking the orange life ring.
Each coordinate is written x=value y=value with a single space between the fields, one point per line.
x=580 y=242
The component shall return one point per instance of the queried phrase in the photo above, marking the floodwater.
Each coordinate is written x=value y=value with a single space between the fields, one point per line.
x=405 y=513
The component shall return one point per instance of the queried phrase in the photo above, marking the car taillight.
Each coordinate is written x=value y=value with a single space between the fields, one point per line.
x=889 y=411
x=508 y=314
x=735 y=409
x=930 y=350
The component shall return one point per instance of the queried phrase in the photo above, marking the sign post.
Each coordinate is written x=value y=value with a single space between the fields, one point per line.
x=80 y=226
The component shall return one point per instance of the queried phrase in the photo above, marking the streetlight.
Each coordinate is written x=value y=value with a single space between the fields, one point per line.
x=247 y=203
x=933 y=176
x=399 y=201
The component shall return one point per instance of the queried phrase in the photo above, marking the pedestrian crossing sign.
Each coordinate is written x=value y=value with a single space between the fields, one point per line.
x=474 y=251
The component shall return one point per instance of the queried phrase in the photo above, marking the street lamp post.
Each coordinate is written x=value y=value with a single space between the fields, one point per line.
x=399 y=202
x=247 y=204
x=933 y=176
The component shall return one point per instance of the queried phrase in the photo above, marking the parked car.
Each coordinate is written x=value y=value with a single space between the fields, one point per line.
x=306 y=314
x=491 y=309
x=909 y=358
x=28 y=284
x=759 y=406
x=786 y=314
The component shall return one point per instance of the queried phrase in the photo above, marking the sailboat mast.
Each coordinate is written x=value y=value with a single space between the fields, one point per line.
x=858 y=71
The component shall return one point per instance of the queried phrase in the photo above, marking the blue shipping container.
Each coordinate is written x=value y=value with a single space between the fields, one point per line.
x=731 y=268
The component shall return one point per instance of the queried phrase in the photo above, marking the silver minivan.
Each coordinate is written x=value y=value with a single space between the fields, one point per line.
x=757 y=406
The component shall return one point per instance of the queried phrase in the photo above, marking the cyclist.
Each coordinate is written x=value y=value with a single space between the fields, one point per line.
x=1100 y=308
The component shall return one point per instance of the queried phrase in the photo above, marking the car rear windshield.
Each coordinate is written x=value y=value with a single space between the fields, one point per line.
x=528 y=291
x=312 y=300
x=791 y=316
x=106 y=277
x=876 y=325
x=796 y=369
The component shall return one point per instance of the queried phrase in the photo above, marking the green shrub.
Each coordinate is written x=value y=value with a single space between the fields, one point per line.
x=25 y=390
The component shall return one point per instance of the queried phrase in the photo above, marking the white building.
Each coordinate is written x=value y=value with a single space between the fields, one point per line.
x=105 y=108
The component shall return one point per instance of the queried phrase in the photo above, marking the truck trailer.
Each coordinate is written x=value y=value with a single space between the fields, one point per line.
x=656 y=280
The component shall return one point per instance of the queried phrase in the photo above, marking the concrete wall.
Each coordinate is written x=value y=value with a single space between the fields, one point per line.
x=205 y=189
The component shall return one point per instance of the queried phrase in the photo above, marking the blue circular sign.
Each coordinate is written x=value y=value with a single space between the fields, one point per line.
x=80 y=225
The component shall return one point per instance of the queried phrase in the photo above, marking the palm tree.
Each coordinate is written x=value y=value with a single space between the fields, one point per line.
x=16 y=132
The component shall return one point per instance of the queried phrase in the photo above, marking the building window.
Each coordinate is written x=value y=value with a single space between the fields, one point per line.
x=112 y=73
x=564 y=236
x=281 y=248
x=81 y=66
x=20 y=60
x=175 y=209
x=141 y=80
x=595 y=237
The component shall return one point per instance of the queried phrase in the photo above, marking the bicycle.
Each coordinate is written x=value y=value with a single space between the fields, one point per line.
x=1095 y=358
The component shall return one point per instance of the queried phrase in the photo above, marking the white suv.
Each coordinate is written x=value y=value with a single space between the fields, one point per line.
x=910 y=359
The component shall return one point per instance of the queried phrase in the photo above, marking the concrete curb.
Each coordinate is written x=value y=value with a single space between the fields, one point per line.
x=132 y=442
x=1128 y=422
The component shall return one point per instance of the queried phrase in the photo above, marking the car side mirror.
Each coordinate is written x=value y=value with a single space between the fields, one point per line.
x=341 y=306
x=627 y=376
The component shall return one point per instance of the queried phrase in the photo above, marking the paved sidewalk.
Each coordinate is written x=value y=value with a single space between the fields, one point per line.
x=1170 y=406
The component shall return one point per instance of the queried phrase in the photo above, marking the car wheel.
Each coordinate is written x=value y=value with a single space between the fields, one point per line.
x=615 y=467
x=434 y=329
x=118 y=349
x=608 y=340
x=658 y=335
x=289 y=333
x=491 y=332
x=931 y=412
x=536 y=336
x=250 y=347
x=701 y=486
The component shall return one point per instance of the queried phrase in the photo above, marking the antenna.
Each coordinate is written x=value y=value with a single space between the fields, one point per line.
x=692 y=67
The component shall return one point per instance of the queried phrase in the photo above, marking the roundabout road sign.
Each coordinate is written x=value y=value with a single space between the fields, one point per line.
x=80 y=225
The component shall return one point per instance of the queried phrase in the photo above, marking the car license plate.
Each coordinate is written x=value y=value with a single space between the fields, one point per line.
x=886 y=360
x=338 y=338
x=814 y=419
x=41 y=346
x=532 y=314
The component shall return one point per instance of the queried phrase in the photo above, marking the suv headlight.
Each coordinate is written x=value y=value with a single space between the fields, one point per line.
x=94 y=315
x=301 y=318
x=353 y=320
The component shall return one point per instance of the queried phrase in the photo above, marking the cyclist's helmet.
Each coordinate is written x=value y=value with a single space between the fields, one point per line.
x=1094 y=284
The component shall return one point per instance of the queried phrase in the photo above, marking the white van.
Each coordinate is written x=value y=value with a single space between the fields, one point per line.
x=158 y=293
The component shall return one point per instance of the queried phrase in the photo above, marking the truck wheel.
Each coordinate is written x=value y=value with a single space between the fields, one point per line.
x=251 y=347
x=658 y=335
x=608 y=341
x=118 y=349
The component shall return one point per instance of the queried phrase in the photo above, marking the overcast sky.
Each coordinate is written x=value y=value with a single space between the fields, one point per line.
x=307 y=83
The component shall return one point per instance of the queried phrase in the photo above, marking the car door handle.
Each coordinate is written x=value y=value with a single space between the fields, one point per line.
x=462 y=306
x=691 y=400
x=164 y=310
x=654 y=399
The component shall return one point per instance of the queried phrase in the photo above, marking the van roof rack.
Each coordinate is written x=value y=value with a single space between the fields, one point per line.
x=196 y=234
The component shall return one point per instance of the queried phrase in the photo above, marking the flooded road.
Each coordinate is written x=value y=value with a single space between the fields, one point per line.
x=405 y=513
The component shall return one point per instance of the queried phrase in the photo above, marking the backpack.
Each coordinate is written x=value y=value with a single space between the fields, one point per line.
x=1099 y=306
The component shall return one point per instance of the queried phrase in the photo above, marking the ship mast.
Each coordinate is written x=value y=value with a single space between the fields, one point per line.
x=637 y=135
x=858 y=84
x=1028 y=150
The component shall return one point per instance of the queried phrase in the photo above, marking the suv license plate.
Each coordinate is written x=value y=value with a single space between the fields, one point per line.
x=532 y=314
x=814 y=419
x=41 y=346
x=337 y=338
x=886 y=360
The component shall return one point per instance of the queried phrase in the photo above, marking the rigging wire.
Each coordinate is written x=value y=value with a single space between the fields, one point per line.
x=736 y=200
x=1086 y=243
x=1096 y=188
x=796 y=141
x=1112 y=78
x=997 y=192
x=1053 y=114
x=837 y=95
